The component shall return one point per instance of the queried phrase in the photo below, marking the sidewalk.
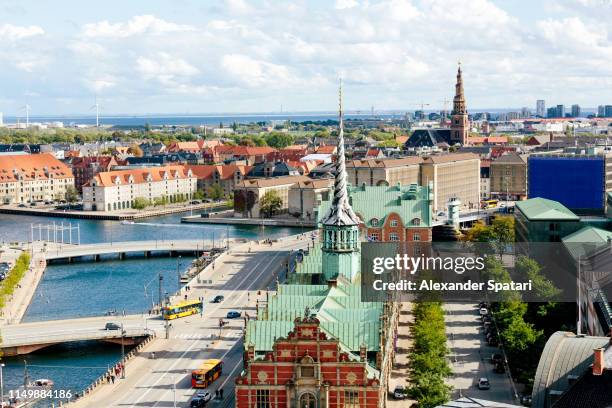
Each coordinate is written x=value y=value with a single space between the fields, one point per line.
x=18 y=303
x=399 y=370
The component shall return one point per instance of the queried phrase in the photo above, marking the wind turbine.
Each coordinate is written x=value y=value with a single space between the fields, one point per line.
x=97 y=106
x=26 y=107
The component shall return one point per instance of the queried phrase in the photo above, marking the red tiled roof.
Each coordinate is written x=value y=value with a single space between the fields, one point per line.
x=108 y=178
x=32 y=167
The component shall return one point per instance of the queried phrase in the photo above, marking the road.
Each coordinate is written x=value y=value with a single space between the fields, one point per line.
x=471 y=356
x=58 y=331
x=158 y=382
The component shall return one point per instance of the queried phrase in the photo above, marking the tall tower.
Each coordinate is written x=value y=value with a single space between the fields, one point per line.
x=341 y=246
x=460 y=124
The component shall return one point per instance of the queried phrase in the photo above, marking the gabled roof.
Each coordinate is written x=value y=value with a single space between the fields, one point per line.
x=449 y=158
x=140 y=175
x=385 y=163
x=587 y=240
x=539 y=209
x=510 y=158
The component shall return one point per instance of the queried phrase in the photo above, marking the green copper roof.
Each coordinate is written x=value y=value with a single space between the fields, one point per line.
x=377 y=202
x=586 y=241
x=540 y=209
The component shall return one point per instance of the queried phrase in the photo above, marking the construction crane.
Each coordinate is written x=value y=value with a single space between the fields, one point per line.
x=422 y=105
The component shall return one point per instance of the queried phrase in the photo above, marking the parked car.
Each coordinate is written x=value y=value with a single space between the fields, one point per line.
x=399 y=393
x=499 y=368
x=232 y=314
x=112 y=326
x=22 y=205
x=195 y=202
x=205 y=395
x=484 y=311
x=484 y=384
x=492 y=341
x=197 y=403
x=497 y=358
x=218 y=299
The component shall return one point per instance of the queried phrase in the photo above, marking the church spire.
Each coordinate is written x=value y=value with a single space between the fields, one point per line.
x=459 y=100
x=340 y=213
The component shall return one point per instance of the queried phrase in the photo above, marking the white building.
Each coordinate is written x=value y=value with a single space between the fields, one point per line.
x=33 y=177
x=117 y=190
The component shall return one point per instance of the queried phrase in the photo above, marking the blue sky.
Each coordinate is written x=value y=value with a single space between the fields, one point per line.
x=186 y=56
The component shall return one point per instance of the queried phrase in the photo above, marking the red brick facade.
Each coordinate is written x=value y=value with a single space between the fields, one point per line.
x=394 y=229
x=306 y=370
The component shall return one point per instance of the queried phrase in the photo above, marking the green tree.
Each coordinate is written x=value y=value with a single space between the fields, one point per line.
x=543 y=288
x=199 y=195
x=270 y=203
x=71 y=195
x=279 y=140
x=140 y=203
x=216 y=192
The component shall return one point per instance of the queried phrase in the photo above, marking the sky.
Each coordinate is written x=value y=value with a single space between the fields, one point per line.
x=190 y=56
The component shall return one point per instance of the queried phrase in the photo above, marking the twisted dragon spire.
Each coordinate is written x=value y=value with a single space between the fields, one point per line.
x=340 y=213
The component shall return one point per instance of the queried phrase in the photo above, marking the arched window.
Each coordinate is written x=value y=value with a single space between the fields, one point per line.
x=307 y=400
x=416 y=221
x=374 y=222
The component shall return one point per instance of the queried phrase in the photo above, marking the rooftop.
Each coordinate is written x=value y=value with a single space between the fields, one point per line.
x=540 y=209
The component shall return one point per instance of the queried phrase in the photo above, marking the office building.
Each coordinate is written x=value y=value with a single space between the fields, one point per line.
x=454 y=176
x=601 y=111
x=509 y=177
x=26 y=178
x=376 y=172
x=560 y=111
x=541 y=108
x=117 y=189
x=576 y=111
x=608 y=111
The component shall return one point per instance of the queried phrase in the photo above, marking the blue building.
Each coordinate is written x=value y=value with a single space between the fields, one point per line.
x=577 y=181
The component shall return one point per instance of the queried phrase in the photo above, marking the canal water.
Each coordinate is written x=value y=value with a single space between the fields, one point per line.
x=92 y=289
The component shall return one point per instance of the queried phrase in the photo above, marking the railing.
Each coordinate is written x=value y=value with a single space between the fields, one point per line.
x=72 y=335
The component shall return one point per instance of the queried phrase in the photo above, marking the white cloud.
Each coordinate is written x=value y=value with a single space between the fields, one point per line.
x=345 y=4
x=13 y=33
x=164 y=66
x=101 y=84
x=252 y=72
x=144 y=24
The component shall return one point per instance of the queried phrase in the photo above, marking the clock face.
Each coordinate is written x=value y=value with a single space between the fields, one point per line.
x=262 y=376
x=351 y=378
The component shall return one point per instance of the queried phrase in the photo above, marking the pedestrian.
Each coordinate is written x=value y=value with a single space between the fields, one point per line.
x=112 y=378
x=185 y=296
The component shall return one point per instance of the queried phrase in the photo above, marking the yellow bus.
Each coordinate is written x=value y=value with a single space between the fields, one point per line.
x=182 y=309
x=489 y=204
x=206 y=373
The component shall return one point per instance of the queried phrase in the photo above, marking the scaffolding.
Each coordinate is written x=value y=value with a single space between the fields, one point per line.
x=56 y=233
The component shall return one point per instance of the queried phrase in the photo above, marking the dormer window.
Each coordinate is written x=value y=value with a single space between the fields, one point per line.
x=374 y=222
x=416 y=222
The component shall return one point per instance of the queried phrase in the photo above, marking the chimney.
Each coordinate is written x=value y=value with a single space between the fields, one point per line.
x=598 y=363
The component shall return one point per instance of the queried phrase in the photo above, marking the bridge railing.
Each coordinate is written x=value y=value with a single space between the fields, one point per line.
x=72 y=335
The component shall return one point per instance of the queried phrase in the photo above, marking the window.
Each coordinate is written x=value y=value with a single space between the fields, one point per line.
x=373 y=236
x=307 y=400
x=416 y=237
x=307 y=371
x=351 y=399
x=262 y=398
x=394 y=223
x=393 y=237
x=374 y=222
x=416 y=221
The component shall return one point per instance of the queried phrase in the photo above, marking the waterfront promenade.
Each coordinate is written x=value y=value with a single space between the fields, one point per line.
x=243 y=278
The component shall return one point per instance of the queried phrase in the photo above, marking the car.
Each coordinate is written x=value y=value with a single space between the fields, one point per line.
x=112 y=326
x=205 y=395
x=499 y=368
x=484 y=311
x=195 y=202
x=484 y=384
x=441 y=214
x=492 y=341
x=197 y=403
x=22 y=205
x=218 y=299
x=399 y=393
x=526 y=400
x=497 y=358
x=33 y=204
x=232 y=314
